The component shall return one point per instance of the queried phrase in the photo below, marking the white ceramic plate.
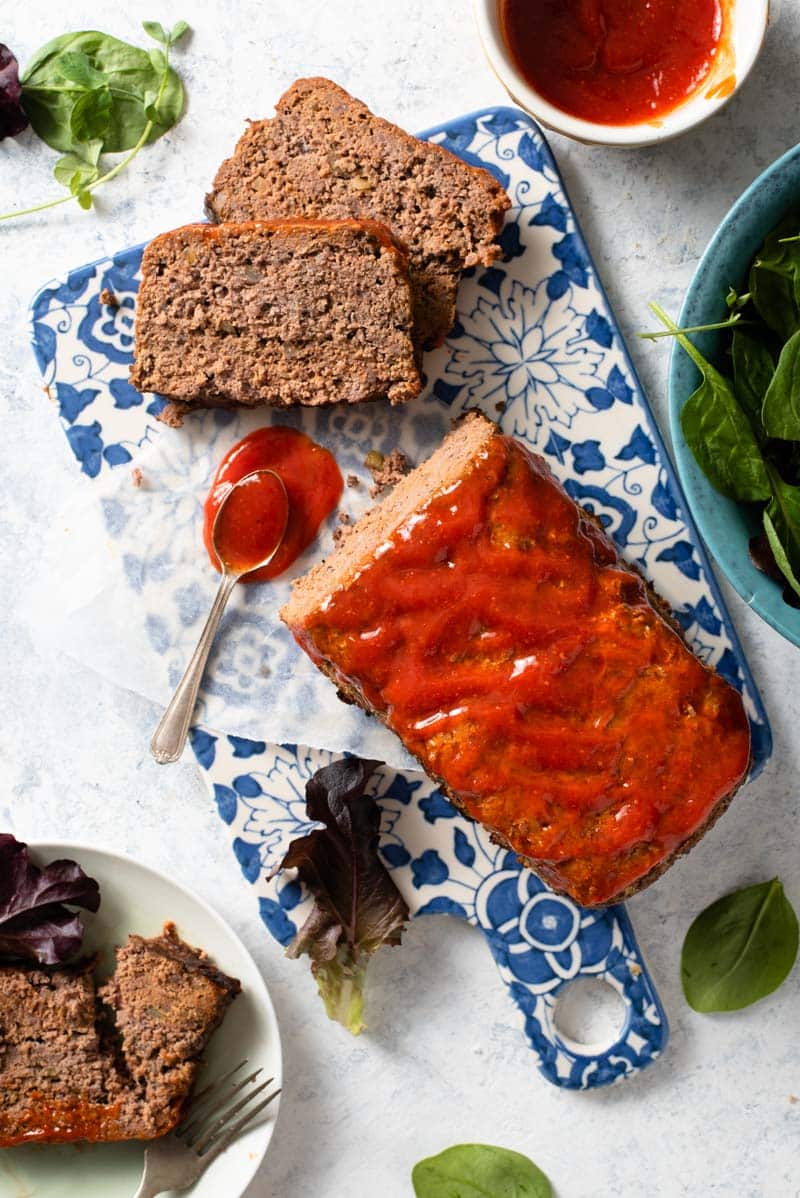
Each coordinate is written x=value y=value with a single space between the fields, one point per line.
x=138 y=899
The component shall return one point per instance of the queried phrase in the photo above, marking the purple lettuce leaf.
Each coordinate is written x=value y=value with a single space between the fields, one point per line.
x=12 y=116
x=35 y=923
x=357 y=907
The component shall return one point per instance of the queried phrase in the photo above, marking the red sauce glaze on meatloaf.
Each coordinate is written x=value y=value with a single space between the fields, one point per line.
x=497 y=632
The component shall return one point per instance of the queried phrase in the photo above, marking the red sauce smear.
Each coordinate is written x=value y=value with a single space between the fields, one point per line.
x=313 y=484
x=499 y=636
x=61 y=1121
x=615 y=62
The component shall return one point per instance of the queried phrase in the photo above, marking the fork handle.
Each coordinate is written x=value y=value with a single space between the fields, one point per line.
x=148 y=1189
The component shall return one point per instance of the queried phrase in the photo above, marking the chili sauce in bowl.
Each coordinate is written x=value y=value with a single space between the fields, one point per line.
x=622 y=72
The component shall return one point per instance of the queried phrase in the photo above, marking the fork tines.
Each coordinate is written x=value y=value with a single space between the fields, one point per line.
x=208 y=1127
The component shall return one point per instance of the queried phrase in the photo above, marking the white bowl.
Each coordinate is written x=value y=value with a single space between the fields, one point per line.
x=749 y=25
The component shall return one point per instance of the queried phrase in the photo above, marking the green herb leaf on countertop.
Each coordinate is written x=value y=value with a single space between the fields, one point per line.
x=717 y=429
x=739 y=949
x=479 y=1171
x=780 y=413
x=86 y=87
x=357 y=907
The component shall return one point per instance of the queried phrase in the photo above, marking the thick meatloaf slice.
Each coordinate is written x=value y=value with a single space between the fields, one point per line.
x=489 y=621
x=324 y=154
x=168 y=1000
x=73 y=1068
x=281 y=312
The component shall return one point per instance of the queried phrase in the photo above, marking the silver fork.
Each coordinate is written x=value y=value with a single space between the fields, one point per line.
x=208 y=1127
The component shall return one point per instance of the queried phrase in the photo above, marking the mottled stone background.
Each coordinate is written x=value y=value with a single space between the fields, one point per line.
x=443 y=1061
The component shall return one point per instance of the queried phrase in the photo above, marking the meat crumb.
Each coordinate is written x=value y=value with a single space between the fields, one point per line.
x=793 y=1099
x=108 y=298
x=343 y=527
x=137 y=478
x=352 y=480
x=386 y=471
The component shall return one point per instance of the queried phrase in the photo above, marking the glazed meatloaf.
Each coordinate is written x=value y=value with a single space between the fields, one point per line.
x=324 y=154
x=118 y=1066
x=281 y=312
x=489 y=621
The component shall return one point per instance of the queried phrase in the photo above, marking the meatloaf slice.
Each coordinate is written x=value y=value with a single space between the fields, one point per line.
x=74 y=1068
x=324 y=154
x=489 y=621
x=167 y=1001
x=281 y=312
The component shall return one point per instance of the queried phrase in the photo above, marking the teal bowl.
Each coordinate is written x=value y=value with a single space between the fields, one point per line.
x=726 y=527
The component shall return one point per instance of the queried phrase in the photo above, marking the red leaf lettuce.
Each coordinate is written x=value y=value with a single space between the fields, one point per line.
x=12 y=117
x=357 y=907
x=34 y=922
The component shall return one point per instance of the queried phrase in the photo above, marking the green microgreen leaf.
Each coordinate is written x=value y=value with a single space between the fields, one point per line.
x=177 y=32
x=76 y=67
x=157 y=31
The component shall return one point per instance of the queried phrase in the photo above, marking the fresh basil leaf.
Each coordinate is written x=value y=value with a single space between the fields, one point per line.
x=157 y=31
x=753 y=369
x=91 y=115
x=75 y=67
x=75 y=172
x=782 y=526
x=780 y=413
x=177 y=32
x=129 y=75
x=739 y=949
x=479 y=1171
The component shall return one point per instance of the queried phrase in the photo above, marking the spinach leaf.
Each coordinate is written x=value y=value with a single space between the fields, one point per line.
x=739 y=949
x=479 y=1171
x=753 y=369
x=88 y=93
x=781 y=409
x=775 y=280
x=127 y=72
x=782 y=527
x=717 y=429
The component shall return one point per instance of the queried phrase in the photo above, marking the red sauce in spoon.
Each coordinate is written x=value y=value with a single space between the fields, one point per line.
x=615 y=62
x=313 y=484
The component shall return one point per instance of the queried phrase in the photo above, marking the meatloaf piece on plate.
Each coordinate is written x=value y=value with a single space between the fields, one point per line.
x=73 y=1067
x=324 y=154
x=489 y=621
x=280 y=312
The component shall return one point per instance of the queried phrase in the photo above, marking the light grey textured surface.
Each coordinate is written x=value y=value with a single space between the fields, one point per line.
x=443 y=1061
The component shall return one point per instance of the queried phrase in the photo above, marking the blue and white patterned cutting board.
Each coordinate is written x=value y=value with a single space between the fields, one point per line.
x=535 y=346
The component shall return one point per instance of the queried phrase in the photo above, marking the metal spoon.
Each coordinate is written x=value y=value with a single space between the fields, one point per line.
x=169 y=737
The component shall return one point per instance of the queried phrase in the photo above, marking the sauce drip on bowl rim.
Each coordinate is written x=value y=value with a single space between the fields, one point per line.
x=614 y=62
x=313 y=484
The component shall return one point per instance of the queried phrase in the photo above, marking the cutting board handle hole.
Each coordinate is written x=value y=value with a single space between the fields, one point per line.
x=589 y=1015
